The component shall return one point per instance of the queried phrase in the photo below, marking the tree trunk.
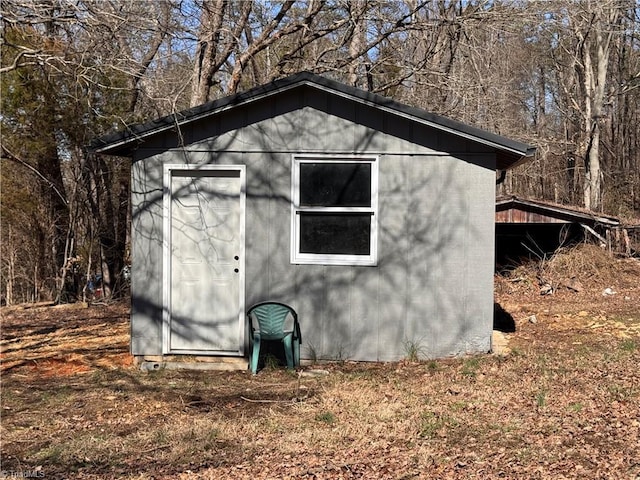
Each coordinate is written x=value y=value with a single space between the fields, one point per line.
x=206 y=60
x=593 y=175
x=357 y=43
x=596 y=41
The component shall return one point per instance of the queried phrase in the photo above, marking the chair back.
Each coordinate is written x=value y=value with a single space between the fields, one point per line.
x=271 y=317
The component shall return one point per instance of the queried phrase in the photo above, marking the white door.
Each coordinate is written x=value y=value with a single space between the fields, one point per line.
x=204 y=232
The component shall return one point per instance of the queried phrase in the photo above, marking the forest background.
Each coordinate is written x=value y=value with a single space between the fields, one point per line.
x=562 y=75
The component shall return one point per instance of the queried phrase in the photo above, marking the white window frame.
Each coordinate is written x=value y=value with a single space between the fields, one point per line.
x=298 y=257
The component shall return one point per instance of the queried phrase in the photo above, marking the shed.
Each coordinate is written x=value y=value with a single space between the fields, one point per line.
x=373 y=219
x=530 y=228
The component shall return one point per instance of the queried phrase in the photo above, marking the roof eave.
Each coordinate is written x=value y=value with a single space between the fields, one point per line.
x=519 y=150
x=125 y=142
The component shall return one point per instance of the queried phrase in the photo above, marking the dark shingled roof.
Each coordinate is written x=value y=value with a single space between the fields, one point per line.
x=509 y=152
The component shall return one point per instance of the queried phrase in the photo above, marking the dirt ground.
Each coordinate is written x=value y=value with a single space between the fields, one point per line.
x=562 y=401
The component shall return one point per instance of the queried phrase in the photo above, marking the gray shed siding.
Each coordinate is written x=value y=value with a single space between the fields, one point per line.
x=433 y=285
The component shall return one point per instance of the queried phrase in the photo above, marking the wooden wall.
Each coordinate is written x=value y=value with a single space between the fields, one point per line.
x=433 y=285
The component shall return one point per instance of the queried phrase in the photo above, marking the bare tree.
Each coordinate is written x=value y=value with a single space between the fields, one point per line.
x=561 y=74
x=594 y=24
x=321 y=36
x=70 y=68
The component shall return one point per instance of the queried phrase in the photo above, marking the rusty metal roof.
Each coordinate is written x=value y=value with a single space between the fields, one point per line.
x=513 y=209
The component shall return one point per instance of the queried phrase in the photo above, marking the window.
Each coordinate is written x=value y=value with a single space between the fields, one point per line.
x=334 y=210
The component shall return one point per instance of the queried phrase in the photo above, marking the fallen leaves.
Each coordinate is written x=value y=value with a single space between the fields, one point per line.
x=563 y=403
x=65 y=340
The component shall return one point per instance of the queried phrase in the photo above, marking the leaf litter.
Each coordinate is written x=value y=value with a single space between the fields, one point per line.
x=563 y=404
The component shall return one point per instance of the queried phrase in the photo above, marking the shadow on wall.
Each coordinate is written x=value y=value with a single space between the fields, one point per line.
x=421 y=249
x=422 y=241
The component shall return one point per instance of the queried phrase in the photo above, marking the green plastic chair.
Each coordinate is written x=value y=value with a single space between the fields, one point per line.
x=270 y=318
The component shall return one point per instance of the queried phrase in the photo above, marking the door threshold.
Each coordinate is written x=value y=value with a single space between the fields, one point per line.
x=182 y=362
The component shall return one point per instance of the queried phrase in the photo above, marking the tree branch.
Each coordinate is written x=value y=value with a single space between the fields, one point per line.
x=6 y=153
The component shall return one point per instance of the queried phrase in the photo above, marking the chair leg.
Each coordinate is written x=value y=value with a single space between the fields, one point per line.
x=255 y=354
x=287 y=340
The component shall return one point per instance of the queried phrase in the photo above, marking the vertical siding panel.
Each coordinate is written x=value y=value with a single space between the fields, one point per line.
x=364 y=312
x=146 y=253
x=311 y=298
x=371 y=138
x=281 y=280
x=451 y=281
x=257 y=229
x=308 y=130
x=480 y=258
x=393 y=255
x=280 y=132
x=340 y=130
x=427 y=188
x=399 y=131
x=336 y=334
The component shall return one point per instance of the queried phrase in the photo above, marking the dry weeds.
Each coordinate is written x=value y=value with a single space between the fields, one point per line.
x=563 y=404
